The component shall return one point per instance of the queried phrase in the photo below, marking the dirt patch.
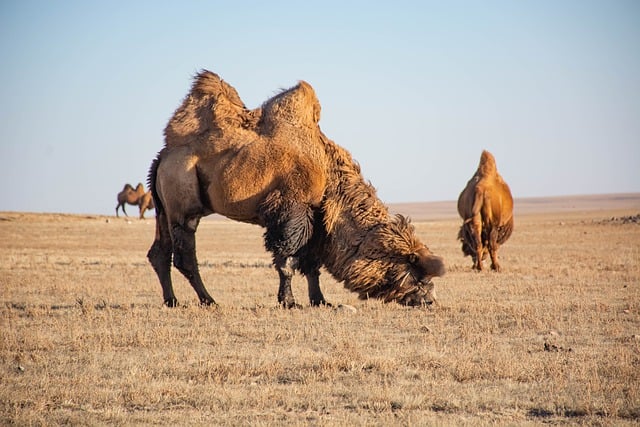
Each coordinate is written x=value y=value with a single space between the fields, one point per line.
x=629 y=219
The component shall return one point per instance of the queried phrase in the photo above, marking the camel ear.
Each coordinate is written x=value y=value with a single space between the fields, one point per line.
x=426 y=263
x=413 y=259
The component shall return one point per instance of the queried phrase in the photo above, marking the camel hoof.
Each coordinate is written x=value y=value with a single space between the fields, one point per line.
x=290 y=305
x=171 y=302
x=322 y=303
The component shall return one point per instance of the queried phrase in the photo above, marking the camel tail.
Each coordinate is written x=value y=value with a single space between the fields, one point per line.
x=151 y=183
x=467 y=239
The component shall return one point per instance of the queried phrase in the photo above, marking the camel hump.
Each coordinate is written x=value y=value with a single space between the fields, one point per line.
x=211 y=105
x=487 y=164
x=296 y=107
x=207 y=83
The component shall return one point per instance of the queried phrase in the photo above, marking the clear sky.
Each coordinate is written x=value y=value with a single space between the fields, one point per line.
x=415 y=90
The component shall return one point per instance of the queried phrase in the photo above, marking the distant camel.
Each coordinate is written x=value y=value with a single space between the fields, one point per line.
x=486 y=207
x=274 y=167
x=146 y=202
x=134 y=197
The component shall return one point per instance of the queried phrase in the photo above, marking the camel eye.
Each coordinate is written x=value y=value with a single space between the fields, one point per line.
x=413 y=258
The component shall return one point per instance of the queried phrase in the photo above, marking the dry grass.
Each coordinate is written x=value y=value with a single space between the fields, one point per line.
x=85 y=341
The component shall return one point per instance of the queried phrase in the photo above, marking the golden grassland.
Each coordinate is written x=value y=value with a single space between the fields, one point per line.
x=85 y=340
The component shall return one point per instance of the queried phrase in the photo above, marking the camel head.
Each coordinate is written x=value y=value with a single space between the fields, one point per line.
x=400 y=267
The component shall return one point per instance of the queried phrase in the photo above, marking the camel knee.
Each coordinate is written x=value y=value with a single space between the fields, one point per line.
x=184 y=250
x=159 y=255
x=286 y=269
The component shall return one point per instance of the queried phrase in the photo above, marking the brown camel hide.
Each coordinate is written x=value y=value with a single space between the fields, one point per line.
x=486 y=207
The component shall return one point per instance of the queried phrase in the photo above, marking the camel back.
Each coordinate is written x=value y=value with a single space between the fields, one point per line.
x=213 y=108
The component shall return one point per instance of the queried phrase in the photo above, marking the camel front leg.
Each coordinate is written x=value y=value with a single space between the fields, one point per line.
x=286 y=269
x=288 y=231
x=315 y=293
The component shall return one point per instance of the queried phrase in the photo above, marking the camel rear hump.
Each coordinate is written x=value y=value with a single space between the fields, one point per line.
x=297 y=108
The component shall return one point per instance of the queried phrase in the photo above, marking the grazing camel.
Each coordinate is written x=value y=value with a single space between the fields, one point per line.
x=274 y=167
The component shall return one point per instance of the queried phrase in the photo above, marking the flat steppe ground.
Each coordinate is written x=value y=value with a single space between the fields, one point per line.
x=554 y=338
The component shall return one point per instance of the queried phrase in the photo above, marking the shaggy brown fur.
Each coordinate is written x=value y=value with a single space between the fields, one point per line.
x=273 y=166
x=486 y=207
x=135 y=197
x=374 y=254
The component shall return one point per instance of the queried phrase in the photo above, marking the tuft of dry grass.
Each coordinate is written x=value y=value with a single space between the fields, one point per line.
x=85 y=340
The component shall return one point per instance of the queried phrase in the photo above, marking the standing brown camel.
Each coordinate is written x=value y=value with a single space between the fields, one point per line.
x=273 y=166
x=486 y=208
x=131 y=196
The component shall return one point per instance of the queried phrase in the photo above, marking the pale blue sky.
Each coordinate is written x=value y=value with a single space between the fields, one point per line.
x=415 y=90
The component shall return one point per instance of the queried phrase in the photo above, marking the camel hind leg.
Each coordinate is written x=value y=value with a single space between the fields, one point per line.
x=471 y=236
x=498 y=236
x=493 y=249
x=184 y=257
x=159 y=256
x=121 y=205
x=176 y=186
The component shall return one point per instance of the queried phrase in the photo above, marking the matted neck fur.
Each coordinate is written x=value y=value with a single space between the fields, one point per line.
x=376 y=255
